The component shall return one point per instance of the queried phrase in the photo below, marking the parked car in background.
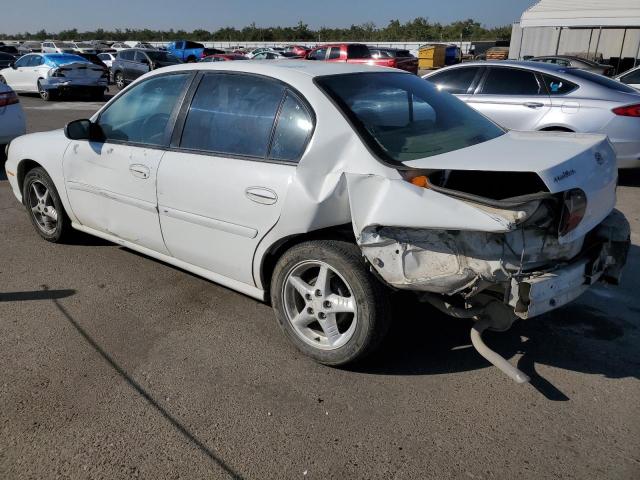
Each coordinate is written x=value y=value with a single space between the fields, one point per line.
x=576 y=62
x=544 y=96
x=134 y=62
x=256 y=51
x=223 y=57
x=6 y=59
x=12 y=119
x=187 y=51
x=58 y=47
x=396 y=58
x=630 y=77
x=298 y=50
x=83 y=47
x=144 y=45
x=107 y=59
x=325 y=186
x=120 y=46
x=273 y=55
x=29 y=47
x=351 y=53
x=52 y=74
x=11 y=49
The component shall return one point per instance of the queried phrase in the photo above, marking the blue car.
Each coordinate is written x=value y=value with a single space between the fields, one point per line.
x=188 y=51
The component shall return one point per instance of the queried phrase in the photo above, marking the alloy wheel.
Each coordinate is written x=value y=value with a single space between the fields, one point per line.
x=42 y=207
x=319 y=304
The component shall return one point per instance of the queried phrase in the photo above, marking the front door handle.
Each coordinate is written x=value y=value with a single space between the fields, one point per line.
x=533 y=104
x=263 y=195
x=140 y=171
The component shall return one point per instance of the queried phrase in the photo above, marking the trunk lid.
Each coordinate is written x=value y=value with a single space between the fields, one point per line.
x=562 y=160
x=81 y=70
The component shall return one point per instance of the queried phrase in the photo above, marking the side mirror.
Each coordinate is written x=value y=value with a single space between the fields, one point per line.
x=83 y=130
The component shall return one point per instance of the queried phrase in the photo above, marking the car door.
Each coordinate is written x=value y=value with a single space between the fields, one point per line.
x=512 y=97
x=111 y=184
x=127 y=57
x=458 y=81
x=141 y=65
x=222 y=185
x=15 y=77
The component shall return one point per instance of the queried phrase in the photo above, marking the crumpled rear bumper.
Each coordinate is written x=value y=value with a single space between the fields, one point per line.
x=606 y=255
x=468 y=263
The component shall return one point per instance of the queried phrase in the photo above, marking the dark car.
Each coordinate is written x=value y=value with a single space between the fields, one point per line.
x=134 y=62
x=6 y=59
x=576 y=62
x=11 y=49
x=398 y=58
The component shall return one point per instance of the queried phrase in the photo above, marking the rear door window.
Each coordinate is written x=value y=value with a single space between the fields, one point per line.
x=633 y=77
x=358 y=51
x=126 y=55
x=334 y=53
x=455 y=80
x=141 y=57
x=232 y=115
x=293 y=129
x=558 y=86
x=511 y=81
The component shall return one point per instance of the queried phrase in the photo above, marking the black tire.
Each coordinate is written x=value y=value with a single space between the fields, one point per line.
x=191 y=59
x=46 y=95
x=63 y=229
x=3 y=80
x=371 y=299
x=98 y=96
x=118 y=79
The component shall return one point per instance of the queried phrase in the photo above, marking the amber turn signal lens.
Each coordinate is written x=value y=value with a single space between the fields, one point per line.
x=421 y=181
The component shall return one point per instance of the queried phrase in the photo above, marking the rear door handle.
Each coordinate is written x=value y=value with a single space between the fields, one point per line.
x=140 y=171
x=263 y=195
x=533 y=104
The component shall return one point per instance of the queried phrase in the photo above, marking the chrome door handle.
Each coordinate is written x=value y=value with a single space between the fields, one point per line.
x=533 y=104
x=263 y=195
x=140 y=171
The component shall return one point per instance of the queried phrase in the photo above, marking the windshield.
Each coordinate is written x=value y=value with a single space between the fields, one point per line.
x=160 y=56
x=403 y=117
x=600 y=80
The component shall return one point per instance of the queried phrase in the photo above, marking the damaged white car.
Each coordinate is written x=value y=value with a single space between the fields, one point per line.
x=323 y=187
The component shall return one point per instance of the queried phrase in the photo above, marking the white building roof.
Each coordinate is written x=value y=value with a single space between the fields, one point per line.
x=582 y=13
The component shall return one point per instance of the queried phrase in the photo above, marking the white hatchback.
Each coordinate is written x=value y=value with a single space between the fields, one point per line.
x=323 y=187
x=12 y=121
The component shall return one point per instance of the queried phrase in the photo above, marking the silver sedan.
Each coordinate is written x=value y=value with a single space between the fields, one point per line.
x=540 y=96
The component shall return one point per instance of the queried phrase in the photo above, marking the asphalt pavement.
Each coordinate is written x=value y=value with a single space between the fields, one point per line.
x=114 y=365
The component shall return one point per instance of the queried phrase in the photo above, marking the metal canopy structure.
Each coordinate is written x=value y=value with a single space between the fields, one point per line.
x=603 y=30
x=582 y=13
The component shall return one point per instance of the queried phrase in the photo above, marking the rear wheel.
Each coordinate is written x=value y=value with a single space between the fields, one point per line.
x=45 y=94
x=44 y=206
x=119 y=80
x=191 y=59
x=328 y=303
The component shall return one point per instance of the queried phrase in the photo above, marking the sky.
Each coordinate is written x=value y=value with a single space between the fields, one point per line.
x=55 y=15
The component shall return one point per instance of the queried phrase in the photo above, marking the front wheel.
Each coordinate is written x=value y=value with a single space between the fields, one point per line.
x=328 y=303
x=44 y=206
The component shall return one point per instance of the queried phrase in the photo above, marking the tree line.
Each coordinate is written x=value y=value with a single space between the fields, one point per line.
x=416 y=30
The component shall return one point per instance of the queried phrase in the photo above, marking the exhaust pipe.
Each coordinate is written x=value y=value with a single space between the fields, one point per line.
x=498 y=360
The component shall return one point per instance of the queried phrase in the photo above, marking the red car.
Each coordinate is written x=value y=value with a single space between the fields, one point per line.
x=298 y=50
x=223 y=57
x=358 y=53
x=398 y=58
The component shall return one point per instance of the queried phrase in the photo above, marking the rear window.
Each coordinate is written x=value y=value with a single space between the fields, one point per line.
x=358 y=51
x=402 y=117
x=600 y=80
x=63 y=59
x=558 y=86
x=193 y=45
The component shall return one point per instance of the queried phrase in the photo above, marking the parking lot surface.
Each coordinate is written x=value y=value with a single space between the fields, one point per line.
x=115 y=365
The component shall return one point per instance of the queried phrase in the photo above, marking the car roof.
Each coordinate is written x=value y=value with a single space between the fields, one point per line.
x=550 y=67
x=289 y=68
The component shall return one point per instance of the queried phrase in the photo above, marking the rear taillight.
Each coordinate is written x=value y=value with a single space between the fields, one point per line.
x=8 y=98
x=574 y=205
x=57 y=73
x=628 y=110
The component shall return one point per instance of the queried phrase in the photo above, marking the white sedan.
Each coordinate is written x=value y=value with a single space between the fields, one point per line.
x=51 y=74
x=12 y=121
x=323 y=187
